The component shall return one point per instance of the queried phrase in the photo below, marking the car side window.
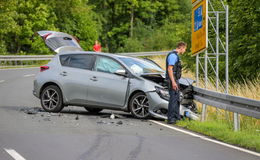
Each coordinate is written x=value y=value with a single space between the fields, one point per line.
x=108 y=65
x=78 y=61
x=64 y=60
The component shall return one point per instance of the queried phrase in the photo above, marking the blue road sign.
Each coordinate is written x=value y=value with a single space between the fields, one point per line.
x=198 y=18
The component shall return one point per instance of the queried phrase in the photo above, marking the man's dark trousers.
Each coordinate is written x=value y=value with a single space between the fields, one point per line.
x=174 y=105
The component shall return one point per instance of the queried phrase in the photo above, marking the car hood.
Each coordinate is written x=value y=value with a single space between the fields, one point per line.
x=159 y=78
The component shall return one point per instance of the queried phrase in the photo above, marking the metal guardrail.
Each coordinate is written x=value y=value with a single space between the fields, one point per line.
x=27 y=60
x=241 y=105
x=25 y=57
x=22 y=60
x=48 y=57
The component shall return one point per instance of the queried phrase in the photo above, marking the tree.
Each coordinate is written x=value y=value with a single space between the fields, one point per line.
x=244 y=39
x=8 y=23
x=77 y=18
x=21 y=19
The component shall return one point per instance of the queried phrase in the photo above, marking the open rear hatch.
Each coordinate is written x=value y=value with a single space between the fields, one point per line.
x=59 y=41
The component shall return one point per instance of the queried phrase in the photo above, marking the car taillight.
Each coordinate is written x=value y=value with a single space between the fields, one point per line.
x=45 y=36
x=44 y=68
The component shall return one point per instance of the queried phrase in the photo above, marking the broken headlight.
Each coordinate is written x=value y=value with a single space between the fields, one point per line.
x=163 y=93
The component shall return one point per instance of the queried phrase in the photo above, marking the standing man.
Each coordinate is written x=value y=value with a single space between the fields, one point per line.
x=97 y=46
x=173 y=74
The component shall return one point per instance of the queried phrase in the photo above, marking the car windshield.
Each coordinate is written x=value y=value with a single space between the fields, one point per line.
x=141 y=66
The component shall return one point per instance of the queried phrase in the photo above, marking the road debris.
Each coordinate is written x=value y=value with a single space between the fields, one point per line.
x=112 y=116
x=119 y=116
x=105 y=116
x=34 y=110
x=101 y=122
x=108 y=123
x=44 y=116
x=55 y=114
x=47 y=119
x=119 y=122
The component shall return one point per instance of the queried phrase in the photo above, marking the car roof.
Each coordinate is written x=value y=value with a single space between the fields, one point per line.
x=94 y=53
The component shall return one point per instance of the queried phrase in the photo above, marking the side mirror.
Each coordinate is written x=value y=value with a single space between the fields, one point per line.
x=120 y=72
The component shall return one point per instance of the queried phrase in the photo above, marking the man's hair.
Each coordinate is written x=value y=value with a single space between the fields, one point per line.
x=181 y=44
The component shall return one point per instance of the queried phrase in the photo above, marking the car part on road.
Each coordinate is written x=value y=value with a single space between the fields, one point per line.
x=139 y=105
x=112 y=116
x=51 y=99
x=34 y=110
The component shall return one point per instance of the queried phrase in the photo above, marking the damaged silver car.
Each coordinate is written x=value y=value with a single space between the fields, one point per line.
x=99 y=81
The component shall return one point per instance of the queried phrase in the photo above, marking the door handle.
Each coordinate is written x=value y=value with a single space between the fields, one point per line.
x=63 y=73
x=93 y=78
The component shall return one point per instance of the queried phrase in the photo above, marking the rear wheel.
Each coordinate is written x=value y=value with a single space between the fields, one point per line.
x=93 y=110
x=51 y=99
x=139 y=106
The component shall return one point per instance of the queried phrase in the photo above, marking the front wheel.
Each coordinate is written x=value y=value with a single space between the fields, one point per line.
x=51 y=99
x=139 y=106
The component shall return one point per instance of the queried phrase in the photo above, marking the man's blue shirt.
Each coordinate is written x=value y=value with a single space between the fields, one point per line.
x=172 y=59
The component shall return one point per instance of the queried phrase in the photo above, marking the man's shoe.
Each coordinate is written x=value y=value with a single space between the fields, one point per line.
x=171 y=122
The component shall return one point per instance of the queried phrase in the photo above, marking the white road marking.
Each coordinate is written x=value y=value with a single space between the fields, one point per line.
x=1 y=81
x=14 y=154
x=29 y=75
x=206 y=138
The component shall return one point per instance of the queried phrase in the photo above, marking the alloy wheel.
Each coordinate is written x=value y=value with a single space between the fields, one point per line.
x=50 y=99
x=140 y=106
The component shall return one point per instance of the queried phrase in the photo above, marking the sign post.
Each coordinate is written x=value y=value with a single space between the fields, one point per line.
x=207 y=17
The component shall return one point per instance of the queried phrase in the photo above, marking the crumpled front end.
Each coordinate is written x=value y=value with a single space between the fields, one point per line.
x=158 y=99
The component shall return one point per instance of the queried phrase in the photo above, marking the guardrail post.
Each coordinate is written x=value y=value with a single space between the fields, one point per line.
x=204 y=113
x=236 y=122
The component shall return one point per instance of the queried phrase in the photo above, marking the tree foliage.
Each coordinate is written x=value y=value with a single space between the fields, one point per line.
x=244 y=39
x=21 y=19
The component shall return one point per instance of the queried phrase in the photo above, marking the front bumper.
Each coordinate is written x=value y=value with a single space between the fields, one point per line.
x=157 y=103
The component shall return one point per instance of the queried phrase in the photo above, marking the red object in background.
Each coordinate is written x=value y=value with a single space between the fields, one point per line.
x=97 y=48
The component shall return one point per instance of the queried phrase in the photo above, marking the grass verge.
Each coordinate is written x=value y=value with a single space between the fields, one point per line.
x=32 y=64
x=220 y=130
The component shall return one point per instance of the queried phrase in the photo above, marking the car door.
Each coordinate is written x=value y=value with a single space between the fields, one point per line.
x=106 y=88
x=59 y=41
x=75 y=77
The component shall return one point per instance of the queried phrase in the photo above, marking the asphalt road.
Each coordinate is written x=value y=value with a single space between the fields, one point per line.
x=76 y=134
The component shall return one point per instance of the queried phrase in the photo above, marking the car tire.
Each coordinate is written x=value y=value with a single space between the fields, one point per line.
x=93 y=110
x=51 y=99
x=139 y=106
